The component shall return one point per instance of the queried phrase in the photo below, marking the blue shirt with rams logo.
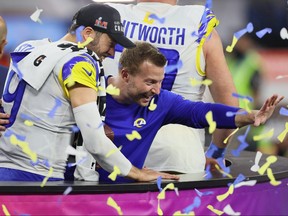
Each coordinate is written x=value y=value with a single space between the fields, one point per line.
x=171 y=108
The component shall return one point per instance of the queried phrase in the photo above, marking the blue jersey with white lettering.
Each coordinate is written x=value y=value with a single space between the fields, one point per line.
x=131 y=121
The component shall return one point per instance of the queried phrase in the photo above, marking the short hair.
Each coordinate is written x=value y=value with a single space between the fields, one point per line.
x=132 y=58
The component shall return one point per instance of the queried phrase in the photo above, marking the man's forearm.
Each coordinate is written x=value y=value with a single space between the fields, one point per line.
x=246 y=119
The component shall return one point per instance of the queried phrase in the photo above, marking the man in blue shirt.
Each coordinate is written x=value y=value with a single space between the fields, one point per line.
x=142 y=107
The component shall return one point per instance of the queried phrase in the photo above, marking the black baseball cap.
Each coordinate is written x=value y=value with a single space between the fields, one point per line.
x=103 y=18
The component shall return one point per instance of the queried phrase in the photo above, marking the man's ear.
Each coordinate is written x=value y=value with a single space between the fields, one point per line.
x=124 y=74
x=88 y=32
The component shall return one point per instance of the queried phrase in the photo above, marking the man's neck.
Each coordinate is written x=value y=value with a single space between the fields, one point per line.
x=118 y=83
x=69 y=37
x=172 y=2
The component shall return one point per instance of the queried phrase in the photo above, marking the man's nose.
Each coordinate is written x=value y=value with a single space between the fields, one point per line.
x=156 y=88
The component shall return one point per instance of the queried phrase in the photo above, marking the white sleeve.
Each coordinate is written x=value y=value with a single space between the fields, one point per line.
x=96 y=142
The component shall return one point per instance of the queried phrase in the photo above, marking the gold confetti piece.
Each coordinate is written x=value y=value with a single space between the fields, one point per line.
x=195 y=82
x=111 y=202
x=147 y=20
x=152 y=105
x=212 y=124
x=269 y=160
x=221 y=171
x=159 y=210
x=24 y=146
x=70 y=82
x=282 y=136
x=272 y=178
x=161 y=195
x=216 y=211
x=47 y=177
x=114 y=174
x=225 y=195
x=113 y=151
x=269 y=134
x=210 y=26
x=178 y=213
x=5 y=210
x=246 y=105
x=28 y=123
x=112 y=90
x=100 y=88
x=231 y=47
x=134 y=135
x=85 y=43
x=226 y=140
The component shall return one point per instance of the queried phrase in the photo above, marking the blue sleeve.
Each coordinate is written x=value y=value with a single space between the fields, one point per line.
x=192 y=114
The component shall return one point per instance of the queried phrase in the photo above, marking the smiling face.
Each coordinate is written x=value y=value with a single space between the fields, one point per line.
x=142 y=71
x=144 y=84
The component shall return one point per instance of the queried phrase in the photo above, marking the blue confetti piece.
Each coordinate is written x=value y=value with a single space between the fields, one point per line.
x=242 y=138
x=249 y=28
x=75 y=129
x=210 y=151
x=262 y=32
x=208 y=4
x=155 y=17
x=231 y=114
x=283 y=111
x=196 y=203
x=236 y=152
x=242 y=97
x=222 y=165
x=208 y=174
x=9 y=133
x=27 y=117
x=58 y=103
x=159 y=180
x=206 y=193
x=79 y=162
x=239 y=179
x=171 y=68
x=78 y=33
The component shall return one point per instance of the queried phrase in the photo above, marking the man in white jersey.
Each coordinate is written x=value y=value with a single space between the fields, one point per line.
x=182 y=33
x=51 y=86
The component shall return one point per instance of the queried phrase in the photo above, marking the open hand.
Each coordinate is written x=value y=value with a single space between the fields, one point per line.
x=150 y=175
x=267 y=110
x=4 y=119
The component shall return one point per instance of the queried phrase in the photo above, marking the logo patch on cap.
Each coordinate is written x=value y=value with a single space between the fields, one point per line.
x=118 y=26
x=100 y=23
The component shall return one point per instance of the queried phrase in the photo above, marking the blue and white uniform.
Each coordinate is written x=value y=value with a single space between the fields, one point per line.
x=42 y=119
x=177 y=31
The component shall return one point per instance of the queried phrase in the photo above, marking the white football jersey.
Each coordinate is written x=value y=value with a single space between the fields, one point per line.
x=41 y=117
x=174 y=30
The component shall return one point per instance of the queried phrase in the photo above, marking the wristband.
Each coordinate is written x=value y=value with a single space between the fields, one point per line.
x=215 y=152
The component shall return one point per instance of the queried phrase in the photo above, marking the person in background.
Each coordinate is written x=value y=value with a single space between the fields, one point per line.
x=194 y=51
x=3 y=42
x=56 y=86
x=3 y=72
x=141 y=107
